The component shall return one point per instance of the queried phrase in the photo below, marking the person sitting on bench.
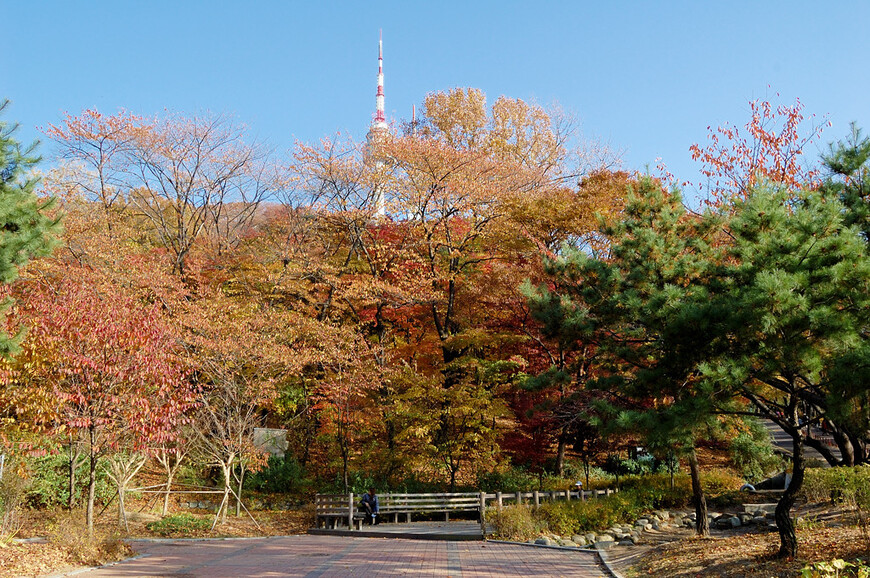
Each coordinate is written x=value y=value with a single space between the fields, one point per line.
x=369 y=507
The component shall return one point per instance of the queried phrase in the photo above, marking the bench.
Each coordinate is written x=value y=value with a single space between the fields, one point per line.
x=444 y=503
x=333 y=510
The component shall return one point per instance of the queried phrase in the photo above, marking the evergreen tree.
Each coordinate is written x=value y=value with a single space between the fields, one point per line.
x=765 y=303
x=25 y=229
x=796 y=284
x=850 y=179
x=644 y=309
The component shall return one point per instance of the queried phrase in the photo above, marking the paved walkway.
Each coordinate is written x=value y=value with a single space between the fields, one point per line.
x=455 y=531
x=325 y=556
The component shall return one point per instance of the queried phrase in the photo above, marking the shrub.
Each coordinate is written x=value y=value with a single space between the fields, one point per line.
x=49 y=485
x=719 y=481
x=68 y=533
x=836 y=568
x=12 y=491
x=513 y=479
x=180 y=525
x=282 y=475
x=753 y=453
x=654 y=491
x=849 y=486
x=514 y=522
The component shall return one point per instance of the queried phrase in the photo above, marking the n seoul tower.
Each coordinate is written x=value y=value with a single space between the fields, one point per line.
x=379 y=128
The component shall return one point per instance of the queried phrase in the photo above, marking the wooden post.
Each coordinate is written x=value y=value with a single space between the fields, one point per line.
x=519 y=498
x=498 y=500
x=483 y=514
x=350 y=511
x=568 y=495
x=607 y=492
x=537 y=499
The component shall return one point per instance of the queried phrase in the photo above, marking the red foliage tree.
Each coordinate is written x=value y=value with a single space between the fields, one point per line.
x=106 y=365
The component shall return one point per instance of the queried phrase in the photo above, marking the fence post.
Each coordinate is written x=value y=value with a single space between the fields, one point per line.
x=519 y=498
x=350 y=511
x=498 y=500
x=537 y=499
x=483 y=514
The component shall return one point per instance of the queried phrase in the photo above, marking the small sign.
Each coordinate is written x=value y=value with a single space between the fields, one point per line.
x=273 y=441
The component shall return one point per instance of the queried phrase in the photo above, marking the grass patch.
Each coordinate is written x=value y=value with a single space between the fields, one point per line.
x=178 y=525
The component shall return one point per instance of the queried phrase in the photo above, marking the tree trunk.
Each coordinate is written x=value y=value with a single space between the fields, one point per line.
x=702 y=524
x=225 y=503
x=239 y=493
x=122 y=513
x=170 y=474
x=560 y=455
x=586 y=472
x=74 y=454
x=788 y=545
x=92 y=483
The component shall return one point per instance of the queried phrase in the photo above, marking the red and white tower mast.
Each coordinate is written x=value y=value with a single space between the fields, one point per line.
x=379 y=127
x=380 y=121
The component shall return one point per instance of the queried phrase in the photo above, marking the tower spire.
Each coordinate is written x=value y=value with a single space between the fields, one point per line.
x=380 y=116
x=379 y=130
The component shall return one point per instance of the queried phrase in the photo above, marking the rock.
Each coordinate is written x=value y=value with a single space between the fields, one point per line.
x=745 y=517
x=568 y=544
x=590 y=538
x=579 y=540
x=626 y=542
x=641 y=522
x=605 y=538
x=663 y=514
x=604 y=544
x=656 y=524
x=544 y=541
x=735 y=521
x=759 y=521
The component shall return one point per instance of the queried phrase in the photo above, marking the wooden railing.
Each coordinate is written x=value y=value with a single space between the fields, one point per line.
x=332 y=510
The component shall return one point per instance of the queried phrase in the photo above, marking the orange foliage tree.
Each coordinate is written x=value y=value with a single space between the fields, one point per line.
x=770 y=147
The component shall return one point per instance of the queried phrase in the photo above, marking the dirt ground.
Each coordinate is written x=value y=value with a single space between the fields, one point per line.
x=824 y=535
x=59 y=537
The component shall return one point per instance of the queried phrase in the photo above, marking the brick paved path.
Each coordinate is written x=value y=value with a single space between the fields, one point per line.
x=325 y=556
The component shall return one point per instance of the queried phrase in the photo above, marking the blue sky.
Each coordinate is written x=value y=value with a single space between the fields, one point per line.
x=647 y=77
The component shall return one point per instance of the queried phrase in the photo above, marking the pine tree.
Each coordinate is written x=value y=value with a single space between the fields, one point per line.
x=849 y=163
x=641 y=306
x=26 y=231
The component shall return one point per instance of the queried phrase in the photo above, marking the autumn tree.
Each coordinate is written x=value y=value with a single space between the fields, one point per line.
x=107 y=366
x=770 y=147
x=194 y=180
